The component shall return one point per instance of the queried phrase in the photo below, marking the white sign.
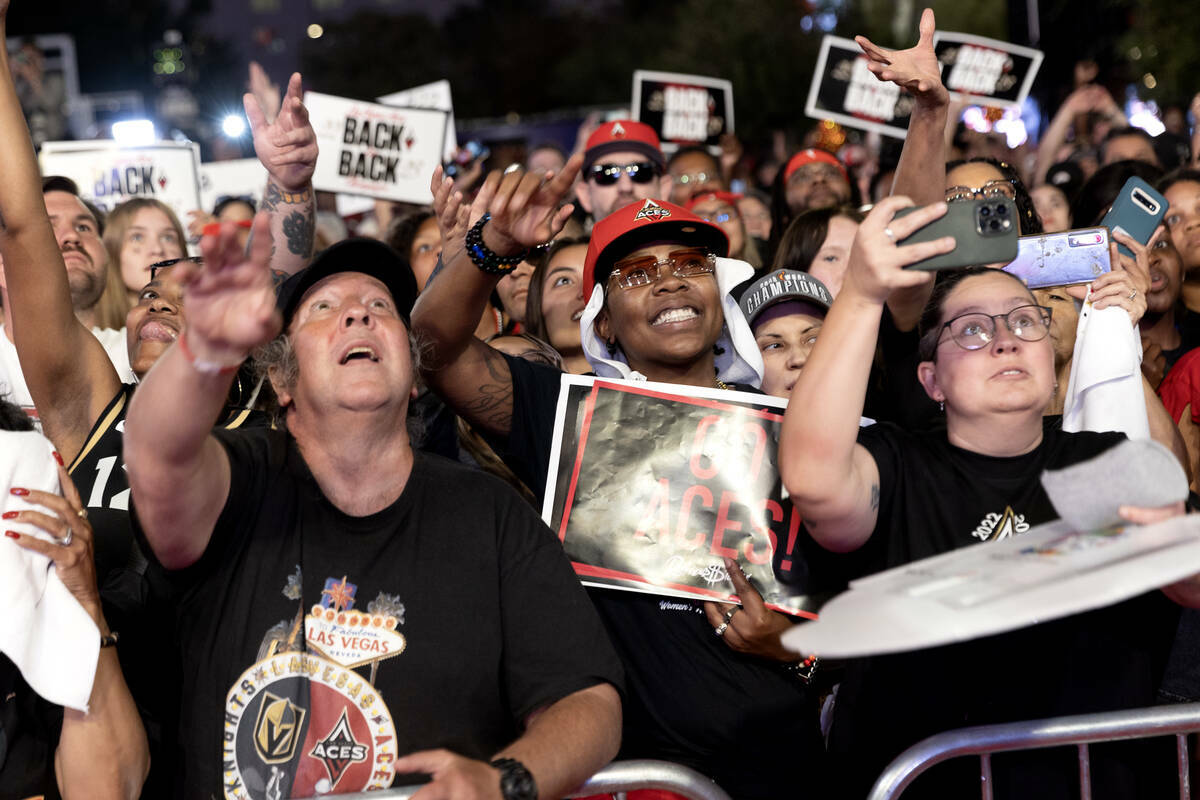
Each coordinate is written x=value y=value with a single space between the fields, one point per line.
x=375 y=150
x=985 y=71
x=241 y=177
x=434 y=95
x=844 y=90
x=1050 y=572
x=108 y=174
x=683 y=109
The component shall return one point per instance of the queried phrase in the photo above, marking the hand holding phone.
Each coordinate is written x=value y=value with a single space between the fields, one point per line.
x=984 y=229
x=1136 y=212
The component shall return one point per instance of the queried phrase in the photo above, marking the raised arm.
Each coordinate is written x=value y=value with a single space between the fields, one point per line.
x=286 y=144
x=69 y=375
x=921 y=171
x=469 y=375
x=178 y=472
x=832 y=480
x=101 y=753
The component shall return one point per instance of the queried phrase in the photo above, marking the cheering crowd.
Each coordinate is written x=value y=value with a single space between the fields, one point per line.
x=293 y=481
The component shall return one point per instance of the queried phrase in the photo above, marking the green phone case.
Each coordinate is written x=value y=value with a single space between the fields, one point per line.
x=985 y=231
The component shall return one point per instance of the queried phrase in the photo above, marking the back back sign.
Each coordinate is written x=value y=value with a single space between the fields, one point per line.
x=844 y=90
x=108 y=174
x=683 y=109
x=985 y=71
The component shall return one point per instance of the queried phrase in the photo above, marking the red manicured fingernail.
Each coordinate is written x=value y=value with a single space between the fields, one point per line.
x=9 y=515
x=58 y=458
x=18 y=491
x=12 y=534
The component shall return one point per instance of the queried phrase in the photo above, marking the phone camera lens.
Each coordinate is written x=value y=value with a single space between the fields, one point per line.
x=1001 y=209
x=995 y=224
x=984 y=211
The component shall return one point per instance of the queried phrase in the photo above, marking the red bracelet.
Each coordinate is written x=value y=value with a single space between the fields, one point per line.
x=204 y=367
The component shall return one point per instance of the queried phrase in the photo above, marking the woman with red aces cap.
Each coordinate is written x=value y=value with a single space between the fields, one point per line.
x=658 y=286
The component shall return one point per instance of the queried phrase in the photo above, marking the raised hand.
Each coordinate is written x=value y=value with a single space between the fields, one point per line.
x=525 y=207
x=286 y=145
x=230 y=299
x=916 y=70
x=877 y=263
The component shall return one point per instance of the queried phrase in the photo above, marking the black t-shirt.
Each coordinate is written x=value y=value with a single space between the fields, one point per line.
x=318 y=646
x=894 y=394
x=936 y=497
x=690 y=699
x=29 y=731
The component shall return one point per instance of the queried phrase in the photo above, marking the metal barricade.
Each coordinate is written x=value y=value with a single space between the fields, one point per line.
x=1081 y=730
x=619 y=776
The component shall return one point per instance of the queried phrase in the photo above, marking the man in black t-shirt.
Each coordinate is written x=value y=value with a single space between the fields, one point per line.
x=345 y=603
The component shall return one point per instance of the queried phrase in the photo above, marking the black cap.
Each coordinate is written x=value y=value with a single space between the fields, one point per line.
x=368 y=256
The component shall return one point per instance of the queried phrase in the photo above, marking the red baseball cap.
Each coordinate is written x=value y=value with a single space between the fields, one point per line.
x=623 y=135
x=808 y=157
x=725 y=197
x=640 y=223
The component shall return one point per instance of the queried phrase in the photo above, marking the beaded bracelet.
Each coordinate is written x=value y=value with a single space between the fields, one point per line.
x=483 y=257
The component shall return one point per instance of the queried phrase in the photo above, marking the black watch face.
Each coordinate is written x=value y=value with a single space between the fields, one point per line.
x=515 y=781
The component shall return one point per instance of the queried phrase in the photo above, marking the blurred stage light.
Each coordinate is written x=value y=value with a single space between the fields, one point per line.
x=233 y=126
x=315 y=31
x=134 y=132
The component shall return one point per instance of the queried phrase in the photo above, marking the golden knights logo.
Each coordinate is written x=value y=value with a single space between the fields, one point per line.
x=339 y=750
x=277 y=730
x=652 y=210
x=299 y=725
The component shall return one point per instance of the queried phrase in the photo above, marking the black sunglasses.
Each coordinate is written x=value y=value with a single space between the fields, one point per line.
x=608 y=174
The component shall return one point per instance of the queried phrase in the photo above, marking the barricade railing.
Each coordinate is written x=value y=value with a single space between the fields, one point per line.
x=1081 y=731
x=619 y=776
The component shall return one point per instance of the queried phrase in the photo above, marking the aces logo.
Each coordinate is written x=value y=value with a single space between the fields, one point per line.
x=652 y=211
x=297 y=725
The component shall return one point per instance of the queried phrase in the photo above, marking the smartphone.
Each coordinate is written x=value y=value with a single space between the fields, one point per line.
x=1061 y=259
x=471 y=151
x=1136 y=212
x=984 y=229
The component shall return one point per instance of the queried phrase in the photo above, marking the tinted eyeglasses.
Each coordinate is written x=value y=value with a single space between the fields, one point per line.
x=631 y=273
x=974 y=331
x=170 y=262
x=608 y=174
x=992 y=190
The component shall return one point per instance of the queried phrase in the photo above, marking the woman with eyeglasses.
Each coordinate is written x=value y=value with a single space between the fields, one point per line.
x=892 y=496
x=707 y=686
x=721 y=209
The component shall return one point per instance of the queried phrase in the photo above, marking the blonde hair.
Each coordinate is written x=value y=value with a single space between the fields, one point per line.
x=117 y=225
x=113 y=306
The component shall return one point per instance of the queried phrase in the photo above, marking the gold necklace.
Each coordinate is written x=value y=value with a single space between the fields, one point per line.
x=722 y=384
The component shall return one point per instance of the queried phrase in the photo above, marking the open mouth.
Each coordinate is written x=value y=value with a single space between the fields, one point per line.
x=1157 y=281
x=157 y=331
x=360 y=353
x=669 y=316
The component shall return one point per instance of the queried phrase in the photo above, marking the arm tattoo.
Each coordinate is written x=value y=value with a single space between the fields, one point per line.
x=299 y=229
x=874 y=496
x=272 y=197
x=492 y=404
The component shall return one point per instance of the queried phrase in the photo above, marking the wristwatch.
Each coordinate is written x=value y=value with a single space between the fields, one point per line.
x=516 y=783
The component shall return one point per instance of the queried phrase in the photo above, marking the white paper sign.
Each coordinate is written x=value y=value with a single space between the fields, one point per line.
x=108 y=174
x=375 y=150
x=241 y=177
x=683 y=109
x=434 y=95
x=1048 y=573
x=985 y=71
